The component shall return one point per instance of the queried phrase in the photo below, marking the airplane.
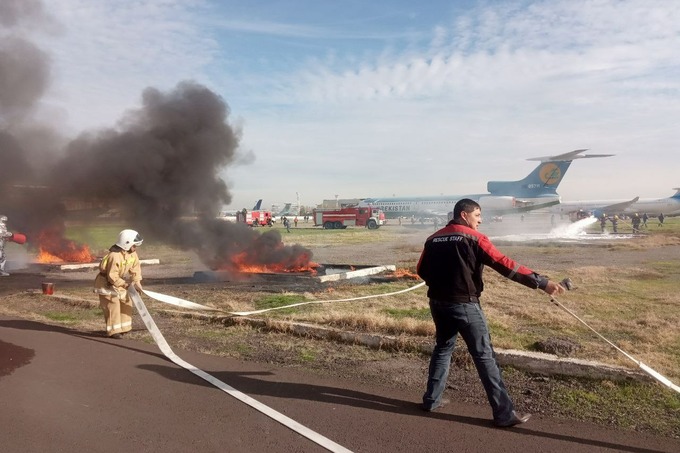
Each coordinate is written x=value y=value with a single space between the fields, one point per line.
x=669 y=206
x=537 y=190
x=577 y=210
x=286 y=211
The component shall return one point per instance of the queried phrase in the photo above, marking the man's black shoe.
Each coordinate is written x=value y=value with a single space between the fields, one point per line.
x=443 y=402
x=116 y=336
x=515 y=419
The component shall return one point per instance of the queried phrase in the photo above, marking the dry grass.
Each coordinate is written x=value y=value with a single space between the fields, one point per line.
x=615 y=302
x=634 y=304
x=636 y=307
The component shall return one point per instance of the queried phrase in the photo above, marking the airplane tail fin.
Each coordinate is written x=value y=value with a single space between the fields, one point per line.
x=543 y=180
x=677 y=192
x=258 y=205
x=285 y=211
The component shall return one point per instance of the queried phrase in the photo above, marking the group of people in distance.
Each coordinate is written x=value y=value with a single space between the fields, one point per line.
x=637 y=222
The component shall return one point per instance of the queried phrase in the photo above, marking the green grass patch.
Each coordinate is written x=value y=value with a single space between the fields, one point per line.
x=97 y=237
x=209 y=334
x=508 y=337
x=666 y=267
x=307 y=355
x=630 y=404
x=66 y=318
x=277 y=300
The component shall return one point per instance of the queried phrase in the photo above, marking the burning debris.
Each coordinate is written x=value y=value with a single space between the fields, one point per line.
x=158 y=166
x=54 y=248
x=321 y=273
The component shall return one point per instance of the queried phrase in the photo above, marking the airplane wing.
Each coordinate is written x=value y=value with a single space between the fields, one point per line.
x=526 y=206
x=576 y=154
x=619 y=207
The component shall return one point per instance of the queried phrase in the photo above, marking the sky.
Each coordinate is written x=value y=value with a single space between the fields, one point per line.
x=381 y=98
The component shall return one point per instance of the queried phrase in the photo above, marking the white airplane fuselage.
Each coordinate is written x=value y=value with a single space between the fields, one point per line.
x=652 y=206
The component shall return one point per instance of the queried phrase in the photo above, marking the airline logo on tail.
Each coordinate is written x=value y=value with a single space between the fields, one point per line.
x=543 y=181
x=550 y=174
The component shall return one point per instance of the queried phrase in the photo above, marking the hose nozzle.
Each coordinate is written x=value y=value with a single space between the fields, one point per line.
x=567 y=284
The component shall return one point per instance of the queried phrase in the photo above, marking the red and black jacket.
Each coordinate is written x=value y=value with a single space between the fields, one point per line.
x=453 y=260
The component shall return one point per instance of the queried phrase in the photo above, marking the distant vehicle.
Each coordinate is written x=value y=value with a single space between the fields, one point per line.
x=231 y=216
x=341 y=218
x=254 y=218
x=537 y=190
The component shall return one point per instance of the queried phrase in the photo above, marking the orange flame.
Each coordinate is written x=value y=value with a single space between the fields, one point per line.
x=405 y=273
x=54 y=248
x=243 y=263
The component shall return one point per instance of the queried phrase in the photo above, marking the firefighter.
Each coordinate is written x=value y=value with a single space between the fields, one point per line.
x=635 y=221
x=615 y=223
x=119 y=269
x=4 y=235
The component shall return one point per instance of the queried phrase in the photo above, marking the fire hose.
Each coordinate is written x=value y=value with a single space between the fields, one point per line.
x=568 y=285
x=268 y=411
x=194 y=306
x=170 y=354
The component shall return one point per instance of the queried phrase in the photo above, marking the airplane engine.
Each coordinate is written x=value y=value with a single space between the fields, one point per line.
x=492 y=203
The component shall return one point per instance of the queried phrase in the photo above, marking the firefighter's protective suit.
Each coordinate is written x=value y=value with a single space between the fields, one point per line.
x=117 y=270
x=4 y=235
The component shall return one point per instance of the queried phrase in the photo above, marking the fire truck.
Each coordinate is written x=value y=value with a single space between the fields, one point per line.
x=330 y=219
x=254 y=218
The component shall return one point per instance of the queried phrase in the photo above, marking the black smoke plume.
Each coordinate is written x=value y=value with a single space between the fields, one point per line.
x=27 y=148
x=161 y=166
x=158 y=167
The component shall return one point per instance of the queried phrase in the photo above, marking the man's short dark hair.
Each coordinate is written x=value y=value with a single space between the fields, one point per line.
x=464 y=205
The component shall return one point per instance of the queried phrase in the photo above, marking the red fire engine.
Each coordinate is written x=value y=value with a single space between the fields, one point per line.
x=368 y=217
x=254 y=218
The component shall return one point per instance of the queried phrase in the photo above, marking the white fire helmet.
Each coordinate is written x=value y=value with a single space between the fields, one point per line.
x=3 y=219
x=128 y=238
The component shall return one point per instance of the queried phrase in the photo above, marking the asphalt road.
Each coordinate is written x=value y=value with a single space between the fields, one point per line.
x=64 y=390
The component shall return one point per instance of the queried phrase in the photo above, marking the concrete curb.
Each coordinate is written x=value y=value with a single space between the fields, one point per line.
x=534 y=362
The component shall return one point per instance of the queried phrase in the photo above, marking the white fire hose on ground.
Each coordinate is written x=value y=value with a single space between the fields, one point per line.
x=567 y=284
x=268 y=411
x=194 y=306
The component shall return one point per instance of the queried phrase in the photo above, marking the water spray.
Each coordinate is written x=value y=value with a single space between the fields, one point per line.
x=568 y=285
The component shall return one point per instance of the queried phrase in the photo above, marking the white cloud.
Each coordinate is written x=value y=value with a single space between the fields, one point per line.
x=110 y=51
x=436 y=107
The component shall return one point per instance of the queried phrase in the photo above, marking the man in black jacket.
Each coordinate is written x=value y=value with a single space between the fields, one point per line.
x=451 y=264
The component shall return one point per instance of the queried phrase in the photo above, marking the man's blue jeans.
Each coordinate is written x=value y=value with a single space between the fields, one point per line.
x=450 y=319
